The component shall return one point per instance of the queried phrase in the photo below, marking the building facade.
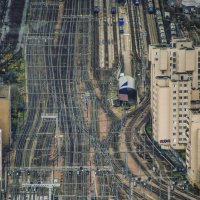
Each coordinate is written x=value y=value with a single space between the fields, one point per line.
x=193 y=145
x=174 y=84
x=5 y=114
x=0 y=159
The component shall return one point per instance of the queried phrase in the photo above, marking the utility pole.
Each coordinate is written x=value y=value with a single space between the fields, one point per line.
x=160 y=196
x=131 y=189
x=126 y=162
x=169 y=191
x=144 y=145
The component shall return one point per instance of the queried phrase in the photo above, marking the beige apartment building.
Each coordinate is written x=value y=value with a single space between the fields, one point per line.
x=175 y=100
x=193 y=146
x=174 y=84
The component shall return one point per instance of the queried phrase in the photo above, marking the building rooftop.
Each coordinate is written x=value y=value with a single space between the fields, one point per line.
x=176 y=43
x=4 y=91
x=192 y=3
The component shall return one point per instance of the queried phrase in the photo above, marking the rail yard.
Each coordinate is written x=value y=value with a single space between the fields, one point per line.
x=88 y=102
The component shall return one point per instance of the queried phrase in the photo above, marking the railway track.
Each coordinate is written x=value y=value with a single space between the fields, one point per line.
x=96 y=47
x=134 y=28
x=158 y=186
x=57 y=103
x=33 y=121
x=105 y=24
x=114 y=25
x=58 y=60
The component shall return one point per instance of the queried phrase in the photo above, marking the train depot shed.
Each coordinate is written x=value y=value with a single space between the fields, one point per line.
x=127 y=92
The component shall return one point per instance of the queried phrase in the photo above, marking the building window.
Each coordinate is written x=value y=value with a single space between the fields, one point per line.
x=174 y=92
x=174 y=133
x=174 y=110
x=174 y=98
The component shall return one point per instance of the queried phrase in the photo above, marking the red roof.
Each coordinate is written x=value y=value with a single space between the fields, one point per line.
x=123 y=97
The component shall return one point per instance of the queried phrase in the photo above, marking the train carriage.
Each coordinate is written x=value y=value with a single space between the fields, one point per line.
x=121 y=21
x=136 y=2
x=121 y=30
x=96 y=6
x=113 y=7
x=150 y=6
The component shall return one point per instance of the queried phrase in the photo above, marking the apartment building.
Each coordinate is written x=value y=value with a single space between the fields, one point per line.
x=193 y=146
x=174 y=84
